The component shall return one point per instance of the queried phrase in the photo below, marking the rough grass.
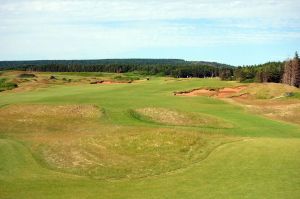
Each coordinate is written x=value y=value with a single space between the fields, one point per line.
x=279 y=110
x=46 y=124
x=269 y=90
x=276 y=101
x=39 y=80
x=32 y=112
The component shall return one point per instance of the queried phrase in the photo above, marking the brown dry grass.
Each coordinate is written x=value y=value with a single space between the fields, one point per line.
x=45 y=122
x=288 y=111
x=34 y=111
x=268 y=90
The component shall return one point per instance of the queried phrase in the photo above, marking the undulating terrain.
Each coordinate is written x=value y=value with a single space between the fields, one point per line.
x=104 y=135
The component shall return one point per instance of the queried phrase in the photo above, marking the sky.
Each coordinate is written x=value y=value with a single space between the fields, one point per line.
x=234 y=32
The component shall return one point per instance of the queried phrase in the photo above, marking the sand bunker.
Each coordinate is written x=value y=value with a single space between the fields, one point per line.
x=221 y=93
x=228 y=92
x=197 y=92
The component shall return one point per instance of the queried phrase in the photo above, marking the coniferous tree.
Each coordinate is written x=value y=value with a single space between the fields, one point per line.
x=296 y=68
x=291 y=74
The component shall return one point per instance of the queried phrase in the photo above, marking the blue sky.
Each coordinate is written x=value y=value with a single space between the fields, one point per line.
x=228 y=31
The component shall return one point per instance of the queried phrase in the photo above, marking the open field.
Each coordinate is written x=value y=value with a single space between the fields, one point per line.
x=69 y=137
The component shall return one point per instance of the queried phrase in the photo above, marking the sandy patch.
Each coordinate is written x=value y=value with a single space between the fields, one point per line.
x=228 y=92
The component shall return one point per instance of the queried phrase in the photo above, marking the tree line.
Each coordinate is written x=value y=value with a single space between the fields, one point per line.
x=268 y=72
x=287 y=72
x=165 y=67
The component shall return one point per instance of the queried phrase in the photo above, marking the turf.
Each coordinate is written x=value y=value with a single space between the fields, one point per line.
x=83 y=141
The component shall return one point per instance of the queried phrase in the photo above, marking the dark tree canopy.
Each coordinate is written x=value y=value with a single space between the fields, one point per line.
x=268 y=72
x=168 y=67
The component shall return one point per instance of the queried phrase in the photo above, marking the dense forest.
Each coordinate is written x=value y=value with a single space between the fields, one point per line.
x=167 y=67
x=268 y=72
x=287 y=72
x=291 y=74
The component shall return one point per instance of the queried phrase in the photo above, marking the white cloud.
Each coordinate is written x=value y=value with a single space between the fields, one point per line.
x=154 y=9
x=66 y=29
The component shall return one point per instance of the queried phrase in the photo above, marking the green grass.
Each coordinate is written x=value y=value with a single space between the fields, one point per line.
x=5 y=85
x=171 y=117
x=258 y=168
x=296 y=95
x=96 y=141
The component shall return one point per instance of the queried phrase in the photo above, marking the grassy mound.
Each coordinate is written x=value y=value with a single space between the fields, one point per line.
x=37 y=111
x=47 y=119
x=51 y=114
x=179 y=118
x=128 y=155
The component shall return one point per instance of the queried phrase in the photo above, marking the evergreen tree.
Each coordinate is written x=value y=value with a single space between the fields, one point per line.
x=292 y=71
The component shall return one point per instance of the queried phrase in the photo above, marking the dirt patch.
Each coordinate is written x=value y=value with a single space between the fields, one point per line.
x=220 y=93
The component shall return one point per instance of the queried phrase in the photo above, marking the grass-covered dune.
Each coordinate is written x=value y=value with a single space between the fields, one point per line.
x=73 y=139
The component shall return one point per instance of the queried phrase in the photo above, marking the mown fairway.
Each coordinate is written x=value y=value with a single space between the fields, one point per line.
x=138 y=140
